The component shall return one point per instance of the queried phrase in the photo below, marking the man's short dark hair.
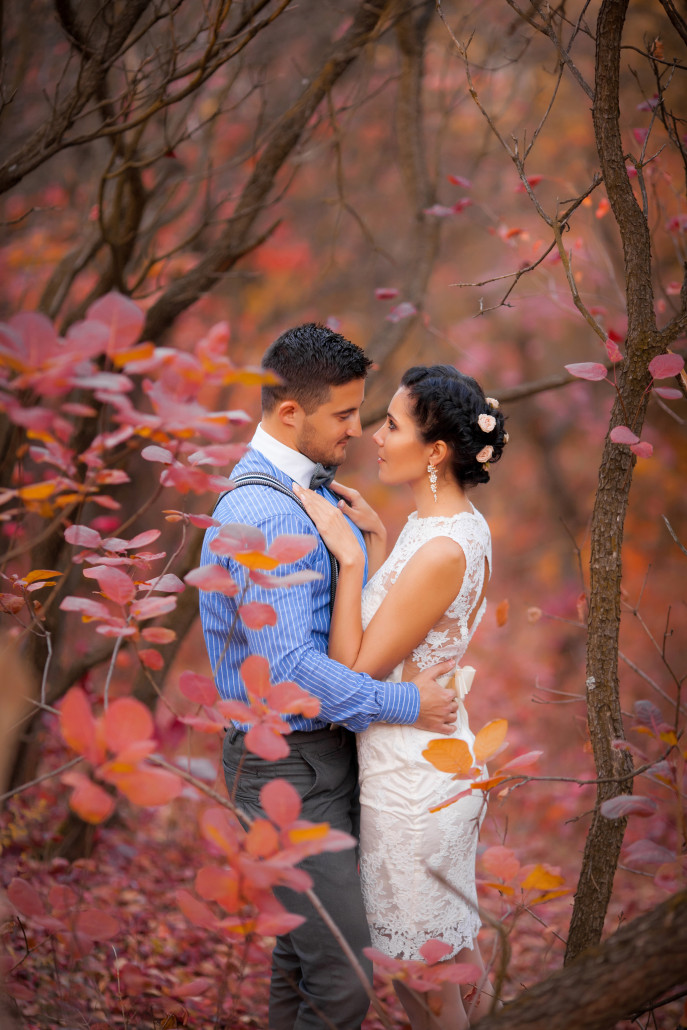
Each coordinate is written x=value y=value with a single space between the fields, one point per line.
x=309 y=359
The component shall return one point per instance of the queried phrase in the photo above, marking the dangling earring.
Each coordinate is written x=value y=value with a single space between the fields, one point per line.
x=432 y=480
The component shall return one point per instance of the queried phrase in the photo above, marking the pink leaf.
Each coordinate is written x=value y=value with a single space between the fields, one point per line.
x=88 y=607
x=169 y=584
x=292 y=579
x=439 y=211
x=613 y=351
x=143 y=539
x=525 y=761
x=197 y=688
x=237 y=538
x=114 y=583
x=212 y=577
x=590 y=370
x=151 y=607
x=154 y=453
x=82 y=536
x=290 y=547
x=78 y=727
x=628 y=804
x=281 y=802
x=648 y=851
x=434 y=950
x=623 y=434
x=288 y=698
x=666 y=365
x=501 y=862
x=197 y=912
x=643 y=449
x=401 y=311
x=192 y=989
x=668 y=393
x=459 y=180
x=123 y=317
x=256 y=615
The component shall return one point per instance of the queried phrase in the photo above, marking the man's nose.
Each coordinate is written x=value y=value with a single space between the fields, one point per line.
x=355 y=428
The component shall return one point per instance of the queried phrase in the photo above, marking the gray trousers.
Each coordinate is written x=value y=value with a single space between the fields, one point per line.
x=313 y=986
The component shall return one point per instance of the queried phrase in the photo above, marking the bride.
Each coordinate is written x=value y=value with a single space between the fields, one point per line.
x=421 y=606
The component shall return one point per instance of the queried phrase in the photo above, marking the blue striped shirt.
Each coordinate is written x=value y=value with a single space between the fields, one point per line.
x=296 y=647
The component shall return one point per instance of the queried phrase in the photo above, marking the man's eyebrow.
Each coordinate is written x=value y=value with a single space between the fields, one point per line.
x=345 y=411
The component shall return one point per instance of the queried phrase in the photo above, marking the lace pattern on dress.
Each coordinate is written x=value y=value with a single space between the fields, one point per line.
x=401 y=841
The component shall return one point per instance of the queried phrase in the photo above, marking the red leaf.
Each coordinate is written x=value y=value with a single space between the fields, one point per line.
x=222 y=885
x=290 y=547
x=290 y=699
x=591 y=370
x=25 y=898
x=386 y=293
x=192 y=989
x=613 y=351
x=114 y=583
x=88 y=800
x=628 y=804
x=151 y=658
x=126 y=721
x=623 y=434
x=197 y=912
x=78 y=727
x=158 y=635
x=459 y=180
x=97 y=925
x=256 y=615
x=281 y=802
x=666 y=365
x=265 y=742
x=198 y=688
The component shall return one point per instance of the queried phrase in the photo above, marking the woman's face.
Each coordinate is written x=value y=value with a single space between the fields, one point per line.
x=402 y=456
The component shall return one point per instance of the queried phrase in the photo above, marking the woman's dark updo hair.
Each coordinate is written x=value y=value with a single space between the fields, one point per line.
x=445 y=405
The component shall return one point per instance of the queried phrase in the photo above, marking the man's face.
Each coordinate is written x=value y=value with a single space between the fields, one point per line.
x=322 y=436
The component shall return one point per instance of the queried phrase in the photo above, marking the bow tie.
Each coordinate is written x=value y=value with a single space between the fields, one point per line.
x=322 y=475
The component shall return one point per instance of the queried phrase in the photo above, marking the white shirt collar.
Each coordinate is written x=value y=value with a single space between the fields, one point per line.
x=289 y=461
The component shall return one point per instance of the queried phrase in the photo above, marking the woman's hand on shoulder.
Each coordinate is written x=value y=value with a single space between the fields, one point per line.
x=332 y=527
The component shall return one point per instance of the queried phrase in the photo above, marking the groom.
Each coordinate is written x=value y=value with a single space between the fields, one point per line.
x=307 y=421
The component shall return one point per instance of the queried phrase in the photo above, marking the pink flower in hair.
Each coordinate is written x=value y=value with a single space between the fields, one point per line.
x=485 y=454
x=486 y=423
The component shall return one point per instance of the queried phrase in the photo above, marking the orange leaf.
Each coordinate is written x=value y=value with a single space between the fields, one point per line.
x=540 y=878
x=88 y=800
x=493 y=781
x=450 y=756
x=140 y=353
x=504 y=888
x=489 y=739
x=502 y=613
x=38 y=491
x=126 y=721
x=149 y=787
x=37 y=574
x=256 y=560
x=262 y=839
x=78 y=727
x=298 y=835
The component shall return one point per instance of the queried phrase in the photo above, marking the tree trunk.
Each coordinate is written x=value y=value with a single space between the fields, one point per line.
x=643 y=342
x=625 y=975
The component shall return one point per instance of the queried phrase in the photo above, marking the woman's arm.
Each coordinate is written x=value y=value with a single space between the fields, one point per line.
x=425 y=588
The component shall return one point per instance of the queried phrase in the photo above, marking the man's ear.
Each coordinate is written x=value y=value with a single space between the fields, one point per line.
x=289 y=413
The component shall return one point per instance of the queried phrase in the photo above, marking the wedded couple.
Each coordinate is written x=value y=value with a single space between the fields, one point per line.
x=379 y=670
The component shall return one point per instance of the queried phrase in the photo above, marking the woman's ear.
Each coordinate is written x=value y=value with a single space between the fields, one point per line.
x=438 y=453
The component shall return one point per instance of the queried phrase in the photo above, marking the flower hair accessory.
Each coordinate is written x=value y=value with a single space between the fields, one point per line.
x=492 y=402
x=485 y=454
x=486 y=423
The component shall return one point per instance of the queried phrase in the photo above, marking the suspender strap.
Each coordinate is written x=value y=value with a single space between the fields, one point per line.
x=264 y=479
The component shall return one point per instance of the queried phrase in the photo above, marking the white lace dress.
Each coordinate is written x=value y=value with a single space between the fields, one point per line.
x=400 y=840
